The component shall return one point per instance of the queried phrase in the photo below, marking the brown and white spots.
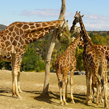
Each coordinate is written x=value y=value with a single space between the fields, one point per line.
x=19 y=25
x=10 y=29
x=7 y=43
x=13 y=34
x=25 y=27
x=38 y=25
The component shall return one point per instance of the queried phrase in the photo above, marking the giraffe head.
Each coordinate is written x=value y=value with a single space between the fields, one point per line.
x=77 y=17
x=64 y=35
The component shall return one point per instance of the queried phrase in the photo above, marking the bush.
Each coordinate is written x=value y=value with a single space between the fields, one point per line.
x=31 y=61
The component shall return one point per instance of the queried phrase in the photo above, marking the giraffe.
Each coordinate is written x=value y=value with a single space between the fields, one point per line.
x=82 y=45
x=13 y=40
x=95 y=64
x=105 y=50
x=66 y=62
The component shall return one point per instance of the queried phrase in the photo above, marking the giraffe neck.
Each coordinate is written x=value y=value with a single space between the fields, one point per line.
x=87 y=41
x=35 y=35
x=75 y=43
x=28 y=31
x=73 y=26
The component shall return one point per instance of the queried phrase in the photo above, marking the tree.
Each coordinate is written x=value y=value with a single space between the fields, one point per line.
x=50 y=50
x=53 y=59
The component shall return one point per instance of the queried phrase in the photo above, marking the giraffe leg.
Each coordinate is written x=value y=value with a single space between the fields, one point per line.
x=89 y=87
x=18 y=78
x=63 y=88
x=60 y=84
x=60 y=90
x=93 y=94
x=66 y=90
x=104 y=74
x=98 y=82
x=71 y=85
x=14 y=77
x=105 y=95
x=18 y=82
x=105 y=92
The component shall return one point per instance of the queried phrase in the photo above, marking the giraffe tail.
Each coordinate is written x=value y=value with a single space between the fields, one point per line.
x=58 y=73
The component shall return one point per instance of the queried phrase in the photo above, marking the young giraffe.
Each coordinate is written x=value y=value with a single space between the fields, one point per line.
x=66 y=62
x=13 y=40
x=94 y=62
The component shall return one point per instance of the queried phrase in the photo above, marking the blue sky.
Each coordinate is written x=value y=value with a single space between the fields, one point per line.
x=96 y=12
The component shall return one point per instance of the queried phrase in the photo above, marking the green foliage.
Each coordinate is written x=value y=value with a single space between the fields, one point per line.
x=100 y=40
x=108 y=73
x=66 y=36
x=5 y=65
x=31 y=61
x=79 y=59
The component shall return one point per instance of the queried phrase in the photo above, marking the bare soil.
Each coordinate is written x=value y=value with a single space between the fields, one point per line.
x=32 y=86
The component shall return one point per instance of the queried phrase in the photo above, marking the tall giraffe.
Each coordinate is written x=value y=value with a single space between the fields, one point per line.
x=66 y=62
x=13 y=40
x=94 y=62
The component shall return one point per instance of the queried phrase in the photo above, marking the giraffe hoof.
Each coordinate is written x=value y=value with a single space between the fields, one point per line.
x=96 y=105
x=20 y=91
x=61 y=103
x=105 y=106
x=19 y=97
x=65 y=103
x=73 y=102
x=88 y=102
x=14 y=96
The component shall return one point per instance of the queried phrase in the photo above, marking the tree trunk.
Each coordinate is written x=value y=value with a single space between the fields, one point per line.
x=50 y=50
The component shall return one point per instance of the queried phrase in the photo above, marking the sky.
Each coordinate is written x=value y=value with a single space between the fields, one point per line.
x=96 y=12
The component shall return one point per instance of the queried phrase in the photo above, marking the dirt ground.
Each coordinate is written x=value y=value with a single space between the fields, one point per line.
x=32 y=86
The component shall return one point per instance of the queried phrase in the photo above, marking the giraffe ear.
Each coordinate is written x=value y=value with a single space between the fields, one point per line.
x=82 y=15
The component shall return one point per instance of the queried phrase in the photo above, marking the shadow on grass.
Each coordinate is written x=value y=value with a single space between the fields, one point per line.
x=78 y=98
x=54 y=98
x=48 y=98
x=3 y=93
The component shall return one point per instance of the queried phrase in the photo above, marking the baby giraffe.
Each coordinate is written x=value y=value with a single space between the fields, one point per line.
x=66 y=62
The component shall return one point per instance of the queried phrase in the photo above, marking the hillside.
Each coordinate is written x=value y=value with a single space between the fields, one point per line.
x=2 y=27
